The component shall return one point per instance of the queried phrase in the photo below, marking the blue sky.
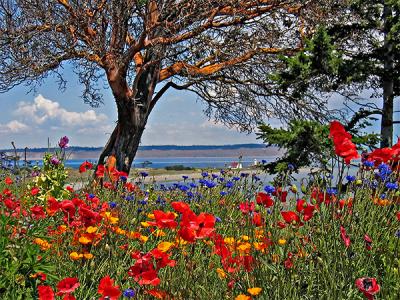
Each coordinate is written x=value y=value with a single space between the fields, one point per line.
x=29 y=119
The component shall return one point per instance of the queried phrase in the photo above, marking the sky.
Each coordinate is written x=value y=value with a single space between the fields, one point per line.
x=30 y=119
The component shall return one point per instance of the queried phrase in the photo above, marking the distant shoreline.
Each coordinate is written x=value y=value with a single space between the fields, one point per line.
x=167 y=151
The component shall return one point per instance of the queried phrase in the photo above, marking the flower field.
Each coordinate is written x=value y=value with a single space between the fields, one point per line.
x=226 y=236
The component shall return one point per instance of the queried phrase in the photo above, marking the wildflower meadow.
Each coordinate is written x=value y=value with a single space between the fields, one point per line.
x=229 y=235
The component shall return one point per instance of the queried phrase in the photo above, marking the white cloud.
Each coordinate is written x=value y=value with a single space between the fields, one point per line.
x=13 y=127
x=42 y=110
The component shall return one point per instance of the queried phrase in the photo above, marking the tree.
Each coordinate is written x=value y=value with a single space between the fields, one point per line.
x=307 y=143
x=221 y=50
x=358 y=49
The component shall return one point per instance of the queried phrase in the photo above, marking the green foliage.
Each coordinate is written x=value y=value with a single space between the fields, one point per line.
x=307 y=143
x=53 y=177
x=318 y=58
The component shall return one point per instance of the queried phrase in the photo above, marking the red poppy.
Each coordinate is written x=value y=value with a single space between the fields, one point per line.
x=68 y=297
x=180 y=207
x=264 y=199
x=100 y=171
x=344 y=236
x=196 y=227
x=290 y=217
x=157 y=293
x=398 y=215
x=344 y=147
x=368 y=286
x=164 y=219
x=35 y=191
x=305 y=208
x=257 y=219
x=52 y=206
x=67 y=285
x=247 y=207
x=108 y=290
x=8 y=181
x=45 y=292
x=37 y=212
x=85 y=166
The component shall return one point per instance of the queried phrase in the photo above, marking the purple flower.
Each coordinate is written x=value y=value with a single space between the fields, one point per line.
x=54 y=161
x=63 y=143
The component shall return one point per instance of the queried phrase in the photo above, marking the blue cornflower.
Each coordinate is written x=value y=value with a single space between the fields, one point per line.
x=210 y=184
x=129 y=293
x=190 y=194
x=144 y=174
x=368 y=163
x=235 y=178
x=112 y=204
x=185 y=177
x=256 y=178
x=397 y=234
x=124 y=178
x=384 y=171
x=350 y=178
x=142 y=202
x=269 y=189
x=244 y=174
x=214 y=176
x=331 y=191
x=183 y=188
x=204 y=174
x=221 y=179
x=130 y=198
x=263 y=161
x=383 y=196
x=291 y=167
x=193 y=185
x=392 y=185
x=223 y=193
x=222 y=171
x=139 y=210
x=91 y=196
x=218 y=219
x=229 y=184
x=163 y=187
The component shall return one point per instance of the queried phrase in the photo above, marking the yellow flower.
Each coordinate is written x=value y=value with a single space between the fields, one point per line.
x=244 y=248
x=245 y=238
x=281 y=242
x=118 y=230
x=88 y=255
x=159 y=233
x=110 y=218
x=242 y=297
x=75 y=255
x=84 y=240
x=221 y=273
x=254 y=291
x=145 y=224
x=180 y=242
x=229 y=240
x=143 y=238
x=44 y=245
x=164 y=246
x=151 y=216
x=91 y=229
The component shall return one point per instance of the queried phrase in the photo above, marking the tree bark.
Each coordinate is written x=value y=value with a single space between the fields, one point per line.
x=387 y=82
x=134 y=106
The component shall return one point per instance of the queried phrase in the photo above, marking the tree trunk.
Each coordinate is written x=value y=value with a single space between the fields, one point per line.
x=125 y=139
x=134 y=106
x=387 y=82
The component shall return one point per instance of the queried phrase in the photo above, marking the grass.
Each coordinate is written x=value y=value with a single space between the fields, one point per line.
x=224 y=237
